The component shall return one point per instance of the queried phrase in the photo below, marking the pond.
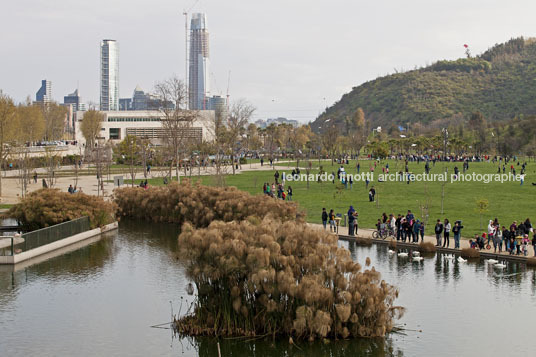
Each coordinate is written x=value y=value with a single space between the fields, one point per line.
x=103 y=298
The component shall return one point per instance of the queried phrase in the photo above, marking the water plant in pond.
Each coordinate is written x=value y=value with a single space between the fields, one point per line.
x=47 y=207
x=268 y=277
x=470 y=253
x=197 y=204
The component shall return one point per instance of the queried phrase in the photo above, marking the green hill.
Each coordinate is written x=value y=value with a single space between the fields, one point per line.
x=500 y=83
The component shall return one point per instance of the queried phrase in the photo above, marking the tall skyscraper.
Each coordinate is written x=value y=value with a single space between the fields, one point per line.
x=109 y=81
x=44 y=94
x=199 y=90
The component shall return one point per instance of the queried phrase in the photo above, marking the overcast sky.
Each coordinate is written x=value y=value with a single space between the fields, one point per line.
x=289 y=58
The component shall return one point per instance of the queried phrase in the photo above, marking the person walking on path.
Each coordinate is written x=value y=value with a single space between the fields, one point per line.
x=324 y=218
x=446 y=233
x=457 y=231
x=438 y=230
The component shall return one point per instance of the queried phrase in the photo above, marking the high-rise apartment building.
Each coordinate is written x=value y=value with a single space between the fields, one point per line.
x=74 y=99
x=219 y=105
x=109 y=78
x=199 y=81
x=44 y=94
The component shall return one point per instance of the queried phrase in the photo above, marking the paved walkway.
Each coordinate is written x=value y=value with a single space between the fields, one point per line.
x=11 y=188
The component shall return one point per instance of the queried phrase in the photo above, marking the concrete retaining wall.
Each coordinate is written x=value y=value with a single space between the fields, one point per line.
x=17 y=258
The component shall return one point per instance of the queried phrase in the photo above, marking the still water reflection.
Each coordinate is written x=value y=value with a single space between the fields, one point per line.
x=102 y=299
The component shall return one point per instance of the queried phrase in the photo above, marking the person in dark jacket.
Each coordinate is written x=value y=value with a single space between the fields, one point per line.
x=351 y=220
x=446 y=233
x=371 y=194
x=416 y=229
x=324 y=218
x=422 y=232
x=528 y=226
x=404 y=225
x=505 y=238
x=438 y=230
x=457 y=231
x=398 y=228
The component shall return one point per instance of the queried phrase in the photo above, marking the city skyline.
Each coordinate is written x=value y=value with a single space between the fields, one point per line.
x=289 y=60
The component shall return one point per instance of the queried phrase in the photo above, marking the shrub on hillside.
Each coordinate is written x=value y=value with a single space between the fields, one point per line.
x=270 y=277
x=197 y=204
x=47 y=207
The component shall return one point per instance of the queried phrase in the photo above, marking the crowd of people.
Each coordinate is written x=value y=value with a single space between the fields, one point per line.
x=514 y=239
x=277 y=189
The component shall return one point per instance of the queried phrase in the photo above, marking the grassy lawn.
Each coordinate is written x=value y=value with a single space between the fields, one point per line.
x=508 y=201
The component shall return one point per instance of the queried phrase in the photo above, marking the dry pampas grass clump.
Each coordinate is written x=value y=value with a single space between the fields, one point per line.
x=427 y=247
x=470 y=253
x=269 y=277
x=47 y=207
x=197 y=204
x=531 y=261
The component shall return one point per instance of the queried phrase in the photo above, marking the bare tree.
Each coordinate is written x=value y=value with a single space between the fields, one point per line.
x=329 y=140
x=178 y=121
x=91 y=126
x=240 y=113
x=52 y=163
x=101 y=156
x=218 y=145
x=357 y=131
x=271 y=139
x=7 y=129
x=128 y=151
x=30 y=125
x=55 y=119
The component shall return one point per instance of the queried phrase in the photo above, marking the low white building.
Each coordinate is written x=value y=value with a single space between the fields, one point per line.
x=147 y=124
